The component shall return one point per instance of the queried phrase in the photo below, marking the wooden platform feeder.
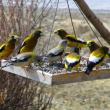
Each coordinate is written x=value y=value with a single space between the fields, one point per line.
x=63 y=77
x=57 y=78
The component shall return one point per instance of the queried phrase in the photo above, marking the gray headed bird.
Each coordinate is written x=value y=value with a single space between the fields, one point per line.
x=23 y=59
x=56 y=53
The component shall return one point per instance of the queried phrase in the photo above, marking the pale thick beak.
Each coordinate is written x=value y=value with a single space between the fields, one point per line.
x=41 y=34
x=16 y=37
x=55 y=32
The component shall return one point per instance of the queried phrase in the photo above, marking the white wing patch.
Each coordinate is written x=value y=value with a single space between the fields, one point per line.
x=55 y=51
x=71 y=60
x=94 y=59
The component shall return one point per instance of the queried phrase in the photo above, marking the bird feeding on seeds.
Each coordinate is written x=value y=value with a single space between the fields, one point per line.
x=56 y=53
x=23 y=59
x=72 y=62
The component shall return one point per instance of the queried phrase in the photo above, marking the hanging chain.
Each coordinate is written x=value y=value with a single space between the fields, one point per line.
x=71 y=18
x=52 y=25
x=44 y=44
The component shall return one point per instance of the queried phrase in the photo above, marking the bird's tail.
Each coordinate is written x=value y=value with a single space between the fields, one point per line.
x=6 y=65
x=69 y=70
x=89 y=68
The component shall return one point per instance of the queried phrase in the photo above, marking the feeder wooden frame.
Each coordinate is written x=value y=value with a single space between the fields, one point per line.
x=57 y=78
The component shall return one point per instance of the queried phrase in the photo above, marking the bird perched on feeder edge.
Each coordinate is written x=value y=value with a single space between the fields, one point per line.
x=30 y=41
x=7 y=48
x=23 y=59
x=56 y=53
x=72 y=61
x=96 y=58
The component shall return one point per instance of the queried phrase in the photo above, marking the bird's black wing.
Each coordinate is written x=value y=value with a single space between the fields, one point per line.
x=23 y=44
x=75 y=40
x=2 y=48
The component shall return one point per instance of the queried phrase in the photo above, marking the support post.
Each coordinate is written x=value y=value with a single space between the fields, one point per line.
x=94 y=20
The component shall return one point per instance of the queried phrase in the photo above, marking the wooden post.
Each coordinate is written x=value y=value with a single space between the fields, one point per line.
x=94 y=20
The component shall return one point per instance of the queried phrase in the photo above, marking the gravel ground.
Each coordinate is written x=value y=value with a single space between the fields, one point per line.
x=89 y=95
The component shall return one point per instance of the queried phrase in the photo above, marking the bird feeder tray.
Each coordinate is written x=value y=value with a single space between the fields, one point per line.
x=57 y=78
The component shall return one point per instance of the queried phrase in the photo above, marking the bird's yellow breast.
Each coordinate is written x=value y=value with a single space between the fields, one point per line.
x=8 y=50
x=30 y=45
x=73 y=56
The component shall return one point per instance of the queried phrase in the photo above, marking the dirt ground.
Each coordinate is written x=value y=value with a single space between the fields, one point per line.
x=89 y=95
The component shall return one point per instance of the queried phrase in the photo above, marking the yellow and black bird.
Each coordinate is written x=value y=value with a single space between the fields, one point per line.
x=30 y=41
x=56 y=53
x=23 y=59
x=72 y=41
x=96 y=58
x=92 y=45
x=7 y=48
x=72 y=61
x=62 y=33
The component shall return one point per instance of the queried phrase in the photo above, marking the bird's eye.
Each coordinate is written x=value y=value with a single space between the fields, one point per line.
x=12 y=37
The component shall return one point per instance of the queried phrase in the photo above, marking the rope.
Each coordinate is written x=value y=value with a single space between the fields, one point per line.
x=43 y=9
x=88 y=23
x=43 y=48
x=42 y=14
x=52 y=25
x=71 y=18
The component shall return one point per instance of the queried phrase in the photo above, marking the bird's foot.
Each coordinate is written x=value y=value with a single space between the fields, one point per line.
x=28 y=68
x=83 y=65
x=83 y=59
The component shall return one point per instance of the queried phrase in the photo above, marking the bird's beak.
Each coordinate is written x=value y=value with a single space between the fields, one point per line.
x=108 y=54
x=41 y=34
x=68 y=70
x=88 y=44
x=16 y=37
x=55 y=32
